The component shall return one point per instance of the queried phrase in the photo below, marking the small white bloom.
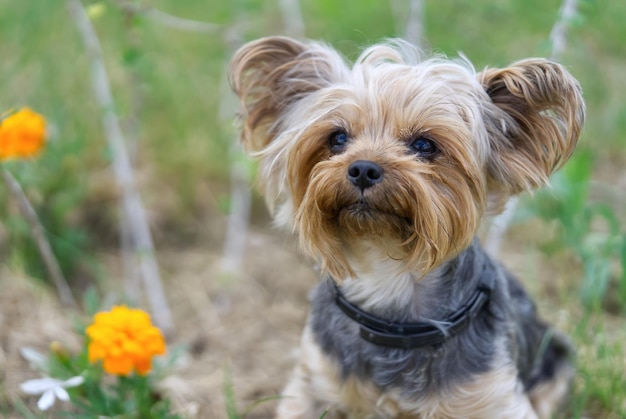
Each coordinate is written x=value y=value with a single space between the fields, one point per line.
x=50 y=389
x=35 y=359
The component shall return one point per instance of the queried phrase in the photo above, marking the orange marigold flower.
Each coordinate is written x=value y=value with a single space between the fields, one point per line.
x=22 y=134
x=125 y=340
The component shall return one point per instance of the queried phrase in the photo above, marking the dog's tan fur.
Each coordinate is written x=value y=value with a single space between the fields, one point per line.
x=547 y=397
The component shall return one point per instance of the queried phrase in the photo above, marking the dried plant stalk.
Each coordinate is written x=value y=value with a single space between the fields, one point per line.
x=131 y=201
x=43 y=245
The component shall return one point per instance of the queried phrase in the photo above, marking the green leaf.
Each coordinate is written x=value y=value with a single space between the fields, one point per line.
x=229 y=397
x=607 y=213
x=131 y=56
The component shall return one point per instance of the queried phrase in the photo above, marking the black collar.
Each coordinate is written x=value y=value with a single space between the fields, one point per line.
x=414 y=335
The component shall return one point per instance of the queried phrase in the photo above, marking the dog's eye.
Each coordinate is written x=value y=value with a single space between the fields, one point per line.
x=424 y=147
x=337 y=141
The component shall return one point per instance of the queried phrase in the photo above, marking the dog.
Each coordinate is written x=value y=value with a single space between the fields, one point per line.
x=384 y=169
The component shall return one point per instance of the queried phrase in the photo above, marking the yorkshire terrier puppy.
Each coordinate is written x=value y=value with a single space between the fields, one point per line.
x=385 y=169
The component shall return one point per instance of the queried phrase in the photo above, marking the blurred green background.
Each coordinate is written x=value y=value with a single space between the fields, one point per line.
x=169 y=92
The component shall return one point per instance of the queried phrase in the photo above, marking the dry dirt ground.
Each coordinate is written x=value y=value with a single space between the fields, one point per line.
x=246 y=327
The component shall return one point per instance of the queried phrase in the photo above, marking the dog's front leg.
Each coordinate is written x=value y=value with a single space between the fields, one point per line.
x=314 y=385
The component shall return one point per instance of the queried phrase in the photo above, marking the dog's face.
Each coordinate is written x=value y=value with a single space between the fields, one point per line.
x=403 y=155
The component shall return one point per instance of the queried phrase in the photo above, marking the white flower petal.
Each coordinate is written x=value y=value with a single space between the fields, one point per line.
x=46 y=401
x=39 y=385
x=34 y=357
x=61 y=394
x=73 y=382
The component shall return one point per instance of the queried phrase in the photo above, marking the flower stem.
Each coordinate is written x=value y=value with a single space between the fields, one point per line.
x=37 y=230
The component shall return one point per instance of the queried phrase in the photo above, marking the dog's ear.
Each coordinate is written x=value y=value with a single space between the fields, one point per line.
x=271 y=74
x=534 y=120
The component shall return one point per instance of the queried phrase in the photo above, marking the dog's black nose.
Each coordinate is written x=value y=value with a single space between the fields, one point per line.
x=365 y=173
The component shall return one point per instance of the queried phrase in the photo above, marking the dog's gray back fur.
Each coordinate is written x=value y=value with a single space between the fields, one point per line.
x=509 y=317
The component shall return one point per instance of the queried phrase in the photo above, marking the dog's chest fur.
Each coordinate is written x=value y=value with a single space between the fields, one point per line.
x=417 y=374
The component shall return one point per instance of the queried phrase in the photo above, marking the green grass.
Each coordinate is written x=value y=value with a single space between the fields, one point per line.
x=598 y=389
x=183 y=141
